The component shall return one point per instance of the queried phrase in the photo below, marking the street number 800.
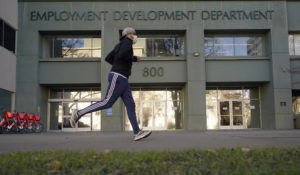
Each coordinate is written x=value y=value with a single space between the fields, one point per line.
x=153 y=72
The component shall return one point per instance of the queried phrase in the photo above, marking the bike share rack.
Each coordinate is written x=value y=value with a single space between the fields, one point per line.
x=20 y=123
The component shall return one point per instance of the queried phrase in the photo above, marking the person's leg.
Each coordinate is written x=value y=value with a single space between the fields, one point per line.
x=130 y=107
x=114 y=90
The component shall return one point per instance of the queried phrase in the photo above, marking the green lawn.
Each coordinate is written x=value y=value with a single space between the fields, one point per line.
x=270 y=160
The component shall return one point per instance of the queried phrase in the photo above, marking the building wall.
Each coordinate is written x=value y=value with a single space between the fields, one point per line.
x=9 y=14
x=194 y=71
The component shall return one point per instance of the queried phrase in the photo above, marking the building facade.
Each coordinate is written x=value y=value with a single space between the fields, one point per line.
x=8 y=28
x=205 y=64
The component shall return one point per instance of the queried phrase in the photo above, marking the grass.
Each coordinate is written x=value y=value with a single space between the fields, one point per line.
x=268 y=160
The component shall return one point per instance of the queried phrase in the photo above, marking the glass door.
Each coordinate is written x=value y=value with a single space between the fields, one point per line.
x=61 y=112
x=153 y=114
x=160 y=115
x=237 y=115
x=67 y=108
x=147 y=118
x=225 y=119
x=231 y=114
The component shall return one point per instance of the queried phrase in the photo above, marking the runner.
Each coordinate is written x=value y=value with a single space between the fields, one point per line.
x=121 y=58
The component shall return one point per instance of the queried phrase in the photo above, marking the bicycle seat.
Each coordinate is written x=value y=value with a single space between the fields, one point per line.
x=9 y=114
x=37 y=118
x=30 y=117
x=21 y=116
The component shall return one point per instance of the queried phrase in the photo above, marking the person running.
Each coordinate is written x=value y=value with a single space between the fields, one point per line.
x=121 y=58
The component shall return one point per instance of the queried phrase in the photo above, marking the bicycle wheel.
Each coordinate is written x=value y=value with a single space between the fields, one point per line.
x=30 y=129
x=38 y=128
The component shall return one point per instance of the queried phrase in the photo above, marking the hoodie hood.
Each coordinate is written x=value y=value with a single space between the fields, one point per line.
x=124 y=37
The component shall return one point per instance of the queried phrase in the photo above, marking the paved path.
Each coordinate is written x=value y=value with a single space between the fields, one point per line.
x=159 y=140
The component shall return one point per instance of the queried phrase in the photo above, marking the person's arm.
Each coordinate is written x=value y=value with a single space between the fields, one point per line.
x=110 y=57
x=124 y=52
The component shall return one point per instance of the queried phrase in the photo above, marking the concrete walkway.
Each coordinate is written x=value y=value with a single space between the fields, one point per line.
x=159 y=140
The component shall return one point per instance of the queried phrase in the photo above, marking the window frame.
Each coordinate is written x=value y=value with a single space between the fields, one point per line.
x=163 y=58
x=73 y=36
x=236 y=36
x=294 y=48
x=4 y=24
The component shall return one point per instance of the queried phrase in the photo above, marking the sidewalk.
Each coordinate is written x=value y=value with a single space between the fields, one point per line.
x=159 y=140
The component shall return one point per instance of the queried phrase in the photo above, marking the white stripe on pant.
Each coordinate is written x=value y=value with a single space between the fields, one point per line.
x=102 y=103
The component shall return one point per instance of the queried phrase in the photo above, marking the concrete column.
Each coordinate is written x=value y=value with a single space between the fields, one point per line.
x=110 y=37
x=277 y=95
x=195 y=99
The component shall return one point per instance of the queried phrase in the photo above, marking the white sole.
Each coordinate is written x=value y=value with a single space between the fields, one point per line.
x=144 y=136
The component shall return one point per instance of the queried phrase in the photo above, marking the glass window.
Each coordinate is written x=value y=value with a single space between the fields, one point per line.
x=296 y=105
x=56 y=93
x=158 y=109
x=1 y=32
x=294 y=44
x=62 y=103
x=72 y=47
x=291 y=45
x=56 y=116
x=9 y=38
x=297 y=44
x=165 y=46
x=234 y=46
x=222 y=106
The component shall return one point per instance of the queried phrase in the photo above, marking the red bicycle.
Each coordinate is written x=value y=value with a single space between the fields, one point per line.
x=8 y=122
x=22 y=122
x=32 y=123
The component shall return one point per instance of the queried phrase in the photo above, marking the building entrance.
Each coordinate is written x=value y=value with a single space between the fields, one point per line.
x=64 y=102
x=158 y=109
x=231 y=114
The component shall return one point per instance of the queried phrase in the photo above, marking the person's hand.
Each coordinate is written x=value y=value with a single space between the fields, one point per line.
x=138 y=59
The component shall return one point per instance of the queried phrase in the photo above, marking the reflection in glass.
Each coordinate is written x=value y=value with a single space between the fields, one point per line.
x=71 y=47
x=85 y=121
x=153 y=95
x=71 y=94
x=221 y=46
x=96 y=94
x=237 y=113
x=55 y=116
x=68 y=107
x=247 y=106
x=60 y=112
x=174 y=114
x=233 y=46
x=85 y=94
x=231 y=94
x=82 y=47
x=158 y=109
x=56 y=93
x=147 y=114
x=297 y=44
x=159 y=114
x=296 y=105
x=159 y=46
x=291 y=45
x=96 y=120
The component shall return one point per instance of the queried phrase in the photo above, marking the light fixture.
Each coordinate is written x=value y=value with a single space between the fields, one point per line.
x=196 y=54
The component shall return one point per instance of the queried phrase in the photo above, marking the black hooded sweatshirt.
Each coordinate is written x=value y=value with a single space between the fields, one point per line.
x=121 y=57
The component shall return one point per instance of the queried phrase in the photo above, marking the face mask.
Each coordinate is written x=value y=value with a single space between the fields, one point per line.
x=134 y=39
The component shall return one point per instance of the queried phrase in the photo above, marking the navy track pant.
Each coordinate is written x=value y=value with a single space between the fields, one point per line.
x=118 y=86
